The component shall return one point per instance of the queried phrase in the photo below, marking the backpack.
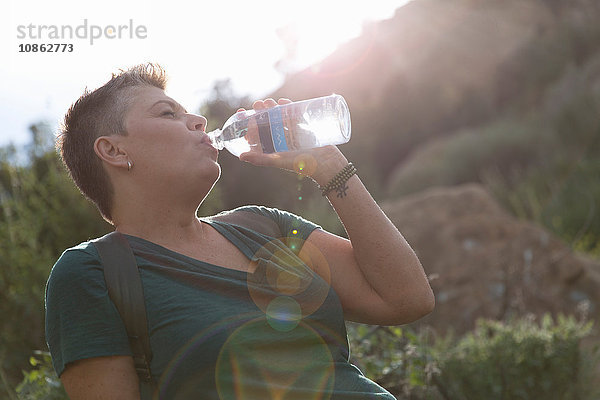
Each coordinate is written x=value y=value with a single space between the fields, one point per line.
x=125 y=285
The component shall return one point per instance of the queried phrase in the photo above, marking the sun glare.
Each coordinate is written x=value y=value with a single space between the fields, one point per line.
x=312 y=30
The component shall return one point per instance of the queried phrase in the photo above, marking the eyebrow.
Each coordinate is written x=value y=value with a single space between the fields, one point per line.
x=173 y=104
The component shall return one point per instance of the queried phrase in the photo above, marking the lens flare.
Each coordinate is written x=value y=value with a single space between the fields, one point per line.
x=280 y=271
x=305 y=164
x=271 y=352
x=283 y=313
x=205 y=339
x=251 y=367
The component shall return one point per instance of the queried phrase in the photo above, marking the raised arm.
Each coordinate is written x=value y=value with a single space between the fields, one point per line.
x=376 y=274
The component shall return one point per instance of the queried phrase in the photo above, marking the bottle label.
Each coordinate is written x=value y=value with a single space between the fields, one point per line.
x=277 y=132
x=270 y=131
x=264 y=132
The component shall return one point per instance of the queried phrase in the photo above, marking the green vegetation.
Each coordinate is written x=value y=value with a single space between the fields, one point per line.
x=41 y=382
x=518 y=359
x=34 y=230
x=522 y=359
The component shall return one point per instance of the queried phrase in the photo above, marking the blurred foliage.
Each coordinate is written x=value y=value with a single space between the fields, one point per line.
x=41 y=382
x=521 y=359
x=518 y=359
x=35 y=227
x=398 y=358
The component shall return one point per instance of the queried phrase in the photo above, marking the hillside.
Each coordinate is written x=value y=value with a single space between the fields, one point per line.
x=427 y=71
x=440 y=66
x=504 y=95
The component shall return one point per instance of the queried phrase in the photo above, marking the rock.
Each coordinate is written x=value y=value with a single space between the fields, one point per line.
x=483 y=262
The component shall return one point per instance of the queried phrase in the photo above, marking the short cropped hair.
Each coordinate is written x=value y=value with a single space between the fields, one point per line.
x=101 y=113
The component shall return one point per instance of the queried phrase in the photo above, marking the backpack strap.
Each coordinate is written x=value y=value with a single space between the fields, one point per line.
x=125 y=290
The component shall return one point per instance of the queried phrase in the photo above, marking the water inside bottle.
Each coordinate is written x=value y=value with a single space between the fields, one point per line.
x=235 y=146
x=319 y=131
x=238 y=146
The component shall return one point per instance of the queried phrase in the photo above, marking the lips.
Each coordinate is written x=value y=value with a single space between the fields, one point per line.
x=213 y=150
x=205 y=140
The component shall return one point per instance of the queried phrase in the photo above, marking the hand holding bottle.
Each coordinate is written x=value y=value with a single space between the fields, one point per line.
x=319 y=163
x=286 y=126
x=253 y=135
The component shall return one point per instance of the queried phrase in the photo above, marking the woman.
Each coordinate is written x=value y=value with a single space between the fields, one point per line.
x=216 y=329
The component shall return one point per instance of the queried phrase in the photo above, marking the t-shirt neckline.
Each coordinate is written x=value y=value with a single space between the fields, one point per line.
x=194 y=261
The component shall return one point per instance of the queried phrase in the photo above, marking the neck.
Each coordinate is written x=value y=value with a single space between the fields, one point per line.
x=161 y=219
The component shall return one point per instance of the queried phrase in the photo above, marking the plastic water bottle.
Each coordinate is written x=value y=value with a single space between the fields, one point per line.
x=295 y=126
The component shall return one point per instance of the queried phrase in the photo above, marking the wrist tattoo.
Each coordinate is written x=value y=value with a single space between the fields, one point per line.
x=342 y=190
x=339 y=183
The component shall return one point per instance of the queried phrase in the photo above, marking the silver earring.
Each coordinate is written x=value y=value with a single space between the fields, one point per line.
x=129 y=165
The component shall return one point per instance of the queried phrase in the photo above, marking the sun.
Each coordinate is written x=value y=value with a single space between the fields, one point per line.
x=313 y=29
x=307 y=43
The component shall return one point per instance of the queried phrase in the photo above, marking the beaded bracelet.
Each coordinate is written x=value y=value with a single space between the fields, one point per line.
x=339 y=181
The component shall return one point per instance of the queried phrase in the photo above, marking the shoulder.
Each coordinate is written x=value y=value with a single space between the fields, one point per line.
x=256 y=209
x=286 y=220
x=270 y=221
x=76 y=265
x=75 y=257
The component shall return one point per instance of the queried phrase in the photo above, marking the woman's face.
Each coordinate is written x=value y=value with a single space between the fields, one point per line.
x=167 y=145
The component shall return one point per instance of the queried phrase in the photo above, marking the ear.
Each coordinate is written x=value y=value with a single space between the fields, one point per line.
x=109 y=150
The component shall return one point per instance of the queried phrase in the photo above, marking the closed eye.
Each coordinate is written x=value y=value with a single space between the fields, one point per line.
x=168 y=113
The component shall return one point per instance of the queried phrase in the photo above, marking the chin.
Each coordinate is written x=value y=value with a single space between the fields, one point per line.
x=214 y=174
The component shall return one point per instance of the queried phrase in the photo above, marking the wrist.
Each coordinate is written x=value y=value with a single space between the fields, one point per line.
x=339 y=181
x=328 y=166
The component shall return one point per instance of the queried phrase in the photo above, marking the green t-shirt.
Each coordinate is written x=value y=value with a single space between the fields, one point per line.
x=215 y=333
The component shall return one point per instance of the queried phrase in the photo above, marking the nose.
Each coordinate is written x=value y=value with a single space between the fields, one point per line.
x=196 y=123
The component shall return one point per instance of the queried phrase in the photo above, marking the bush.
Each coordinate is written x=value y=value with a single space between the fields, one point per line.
x=41 y=382
x=41 y=214
x=397 y=358
x=519 y=360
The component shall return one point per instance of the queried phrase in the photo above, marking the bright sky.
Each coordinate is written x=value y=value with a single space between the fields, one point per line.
x=198 y=42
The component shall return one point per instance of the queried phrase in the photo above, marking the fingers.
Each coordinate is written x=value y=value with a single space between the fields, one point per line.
x=262 y=104
x=260 y=159
x=268 y=103
x=258 y=105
